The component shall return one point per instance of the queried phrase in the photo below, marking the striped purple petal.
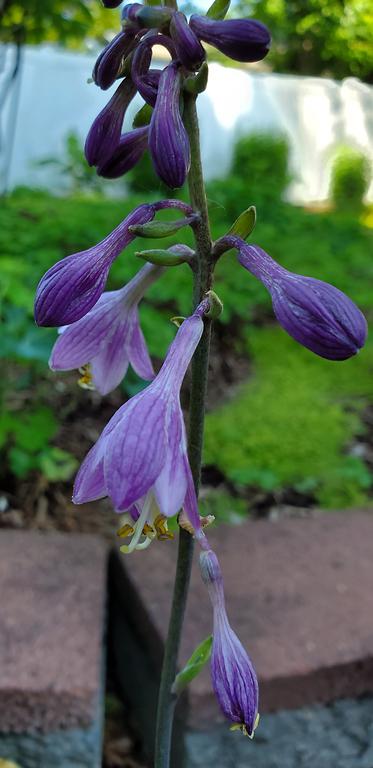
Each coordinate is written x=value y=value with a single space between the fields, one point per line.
x=233 y=676
x=168 y=139
x=73 y=286
x=314 y=313
x=104 y=134
x=126 y=155
x=109 y=62
x=240 y=39
x=188 y=48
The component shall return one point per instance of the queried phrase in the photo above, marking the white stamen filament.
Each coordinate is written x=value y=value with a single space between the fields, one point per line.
x=134 y=543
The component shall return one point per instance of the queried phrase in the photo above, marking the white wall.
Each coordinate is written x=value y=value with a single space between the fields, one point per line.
x=316 y=114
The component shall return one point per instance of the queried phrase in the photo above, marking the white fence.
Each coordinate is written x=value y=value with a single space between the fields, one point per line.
x=315 y=114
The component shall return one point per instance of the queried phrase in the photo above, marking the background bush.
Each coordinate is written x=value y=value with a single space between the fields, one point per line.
x=350 y=179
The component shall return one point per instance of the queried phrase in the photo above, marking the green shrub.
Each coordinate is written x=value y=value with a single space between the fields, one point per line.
x=292 y=422
x=350 y=178
x=261 y=160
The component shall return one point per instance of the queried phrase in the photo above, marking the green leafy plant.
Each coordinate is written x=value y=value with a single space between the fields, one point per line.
x=350 y=178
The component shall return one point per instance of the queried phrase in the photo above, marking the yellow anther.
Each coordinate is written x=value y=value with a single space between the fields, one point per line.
x=125 y=530
x=148 y=531
x=86 y=380
x=161 y=527
x=187 y=526
x=242 y=727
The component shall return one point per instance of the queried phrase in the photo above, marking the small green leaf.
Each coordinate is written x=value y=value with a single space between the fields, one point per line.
x=219 y=9
x=244 y=225
x=159 y=228
x=196 y=84
x=164 y=258
x=21 y=462
x=143 y=116
x=194 y=665
x=32 y=431
x=57 y=464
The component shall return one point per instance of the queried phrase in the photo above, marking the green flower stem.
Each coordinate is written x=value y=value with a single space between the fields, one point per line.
x=202 y=283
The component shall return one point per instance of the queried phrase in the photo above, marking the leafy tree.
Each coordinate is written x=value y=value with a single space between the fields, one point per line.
x=71 y=23
x=329 y=37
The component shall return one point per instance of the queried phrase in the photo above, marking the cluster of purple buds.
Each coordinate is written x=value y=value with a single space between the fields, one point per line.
x=128 y=57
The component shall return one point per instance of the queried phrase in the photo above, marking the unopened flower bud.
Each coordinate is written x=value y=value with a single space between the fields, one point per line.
x=240 y=39
x=314 y=313
x=104 y=134
x=109 y=62
x=189 y=49
x=168 y=139
x=127 y=154
x=232 y=673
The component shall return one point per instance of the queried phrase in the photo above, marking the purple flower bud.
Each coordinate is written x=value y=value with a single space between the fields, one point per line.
x=142 y=453
x=189 y=49
x=240 y=39
x=233 y=676
x=168 y=139
x=109 y=336
x=147 y=81
x=104 y=134
x=73 y=286
x=108 y=64
x=127 y=154
x=314 y=313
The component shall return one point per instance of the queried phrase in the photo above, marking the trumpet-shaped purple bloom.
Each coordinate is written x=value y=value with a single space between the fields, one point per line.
x=189 y=49
x=233 y=676
x=72 y=286
x=240 y=39
x=127 y=154
x=109 y=62
x=141 y=455
x=108 y=337
x=104 y=134
x=168 y=139
x=314 y=313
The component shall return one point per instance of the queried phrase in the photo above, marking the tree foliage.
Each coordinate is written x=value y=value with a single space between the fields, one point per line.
x=331 y=37
x=73 y=23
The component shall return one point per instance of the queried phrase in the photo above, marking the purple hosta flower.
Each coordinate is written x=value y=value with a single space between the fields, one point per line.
x=108 y=337
x=140 y=459
x=189 y=49
x=127 y=154
x=111 y=3
x=109 y=62
x=314 y=313
x=168 y=139
x=147 y=81
x=73 y=286
x=104 y=134
x=240 y=39
x=233 y=676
